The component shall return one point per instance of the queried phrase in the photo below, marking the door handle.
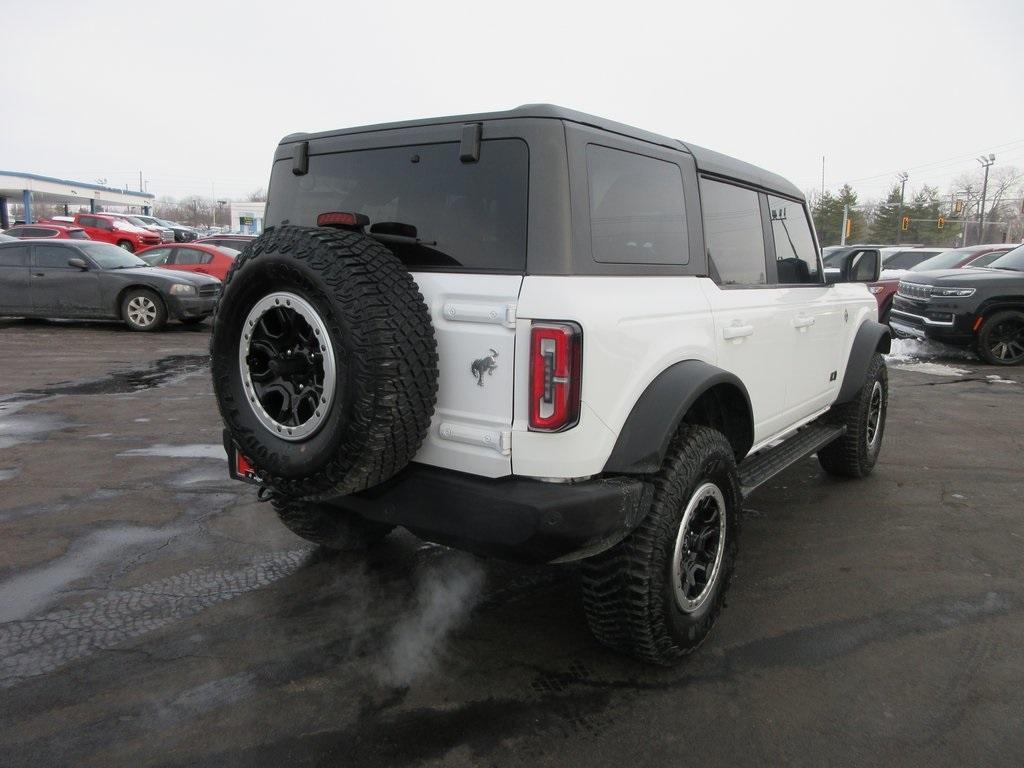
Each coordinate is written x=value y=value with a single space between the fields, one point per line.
x=800 y=322
x=737 y=331
x=38 y=274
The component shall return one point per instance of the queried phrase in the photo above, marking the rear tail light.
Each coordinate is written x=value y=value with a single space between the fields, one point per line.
x=556 y=364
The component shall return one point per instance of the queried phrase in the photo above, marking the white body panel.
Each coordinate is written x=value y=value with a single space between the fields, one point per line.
x=473 y=315
x=784 y=344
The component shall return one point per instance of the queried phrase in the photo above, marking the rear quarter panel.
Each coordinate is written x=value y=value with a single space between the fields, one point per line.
x=633 y=329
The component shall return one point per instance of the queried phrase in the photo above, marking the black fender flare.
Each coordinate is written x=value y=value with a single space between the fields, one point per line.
x=643 y=440
x=871 y=337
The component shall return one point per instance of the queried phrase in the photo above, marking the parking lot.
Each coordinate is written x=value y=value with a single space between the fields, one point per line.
x=153 y=612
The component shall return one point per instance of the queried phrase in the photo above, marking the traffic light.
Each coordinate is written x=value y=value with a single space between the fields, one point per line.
x=958 y=207
x=905 y=224
x=942 y=222
x=849 y=227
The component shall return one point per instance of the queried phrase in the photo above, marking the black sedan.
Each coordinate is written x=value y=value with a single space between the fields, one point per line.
x=84 y=279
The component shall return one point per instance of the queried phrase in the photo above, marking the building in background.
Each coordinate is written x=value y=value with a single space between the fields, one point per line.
x=247 y=217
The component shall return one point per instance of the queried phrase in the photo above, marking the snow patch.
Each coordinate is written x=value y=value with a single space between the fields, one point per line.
x=932 y=369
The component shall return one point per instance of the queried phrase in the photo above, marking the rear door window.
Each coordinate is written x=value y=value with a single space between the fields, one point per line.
x=188 y=256
x=637 y=213
x=796 y=257
x=14 y=256
x=432 y=210
x=734 y=235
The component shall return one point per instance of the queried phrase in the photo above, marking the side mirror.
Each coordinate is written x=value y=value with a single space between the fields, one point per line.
x=78 y=263
x=863 y=266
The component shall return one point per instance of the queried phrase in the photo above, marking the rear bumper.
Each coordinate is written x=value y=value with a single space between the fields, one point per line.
x=513 y=518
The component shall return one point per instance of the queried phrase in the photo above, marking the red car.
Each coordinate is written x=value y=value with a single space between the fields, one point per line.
x=48 y=231
x=191 y=257
x=116 y=230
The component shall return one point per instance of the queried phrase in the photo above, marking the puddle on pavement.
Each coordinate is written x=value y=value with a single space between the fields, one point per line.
x=9 y=474
x=160 y=373
x=35 y=588
x=193 y=451
x=16 y=429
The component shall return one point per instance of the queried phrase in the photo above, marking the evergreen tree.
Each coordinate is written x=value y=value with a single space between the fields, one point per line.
x=886 y=221
x=827 y=214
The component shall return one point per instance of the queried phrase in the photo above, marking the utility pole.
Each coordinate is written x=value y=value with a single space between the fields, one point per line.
x=846 y=220
x=986 y=163
x=822 y=175
x=899 y=219
x=141 y=189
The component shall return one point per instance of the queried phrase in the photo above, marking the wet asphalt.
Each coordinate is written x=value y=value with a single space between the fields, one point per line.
x=153 y=613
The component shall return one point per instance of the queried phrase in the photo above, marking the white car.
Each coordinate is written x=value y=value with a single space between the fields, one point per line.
x=542 y=335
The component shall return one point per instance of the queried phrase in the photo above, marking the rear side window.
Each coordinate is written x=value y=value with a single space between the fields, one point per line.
x=14 y=256
x=907 y=259
x=78 y=234
x=637 y=214
x=795 y=255
x=432 y=210
x=732 y=230
x=188 y=256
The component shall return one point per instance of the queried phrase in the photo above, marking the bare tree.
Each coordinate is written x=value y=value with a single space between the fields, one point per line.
x=258 y=196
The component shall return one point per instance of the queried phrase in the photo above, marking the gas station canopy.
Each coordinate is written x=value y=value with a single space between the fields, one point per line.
x=31 y=186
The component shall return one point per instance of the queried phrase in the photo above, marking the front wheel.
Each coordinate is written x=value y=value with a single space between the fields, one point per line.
x=657 y=594
x=143 y=310
x=126 y=245
x=855 y=453
x=1001 y=339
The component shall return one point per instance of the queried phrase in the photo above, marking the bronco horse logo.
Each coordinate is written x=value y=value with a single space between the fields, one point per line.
x=484 y=365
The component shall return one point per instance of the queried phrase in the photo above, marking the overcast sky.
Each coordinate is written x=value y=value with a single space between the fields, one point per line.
x=197 y=94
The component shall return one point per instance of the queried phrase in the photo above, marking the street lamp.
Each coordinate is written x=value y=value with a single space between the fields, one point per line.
x=986 y=163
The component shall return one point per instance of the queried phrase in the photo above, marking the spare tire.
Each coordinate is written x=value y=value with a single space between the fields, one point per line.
x=324 y=361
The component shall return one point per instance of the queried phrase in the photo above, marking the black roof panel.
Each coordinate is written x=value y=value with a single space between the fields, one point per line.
x=707 y=160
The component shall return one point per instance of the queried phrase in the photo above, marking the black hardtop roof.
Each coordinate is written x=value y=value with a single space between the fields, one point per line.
x=707 y=160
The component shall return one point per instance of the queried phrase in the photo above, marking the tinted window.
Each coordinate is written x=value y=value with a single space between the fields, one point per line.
x=87 y=221
x=907 y=259
x=988 y=258
x=188 y=256
x=78 y=234
x=796 y=256
x=428 y=207
x=636 y=208
x=53 y=257
x=155 y=256
x=1011 y=260
x=14 y=256
x=732 y=229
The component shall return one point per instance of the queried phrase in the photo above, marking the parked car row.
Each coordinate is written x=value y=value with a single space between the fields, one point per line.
x=85 y=268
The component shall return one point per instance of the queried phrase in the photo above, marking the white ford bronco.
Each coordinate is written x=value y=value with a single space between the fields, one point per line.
x=544 y=336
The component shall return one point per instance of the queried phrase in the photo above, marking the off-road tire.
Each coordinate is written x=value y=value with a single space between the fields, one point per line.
x=853 y=454
x=329 y=526
x=160 y=310
x=984 y=342
x=383 y=340
x=628 y=594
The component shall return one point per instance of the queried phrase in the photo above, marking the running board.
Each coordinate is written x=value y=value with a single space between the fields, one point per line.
x=765 y=464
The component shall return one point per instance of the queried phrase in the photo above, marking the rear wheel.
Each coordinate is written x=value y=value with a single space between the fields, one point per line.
x=143 y=310
x=1001 y=338
x=328 y=526
x=657 y=594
